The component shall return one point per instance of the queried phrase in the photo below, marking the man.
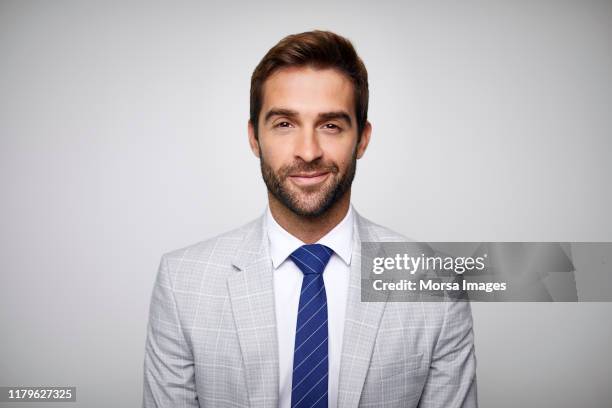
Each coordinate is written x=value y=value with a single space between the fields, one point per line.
x=270 y=314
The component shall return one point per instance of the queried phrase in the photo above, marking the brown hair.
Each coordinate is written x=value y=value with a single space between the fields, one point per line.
x=318 y=49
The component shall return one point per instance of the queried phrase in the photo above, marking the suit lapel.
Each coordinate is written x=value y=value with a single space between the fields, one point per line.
x=361 y=324
x=251 y=291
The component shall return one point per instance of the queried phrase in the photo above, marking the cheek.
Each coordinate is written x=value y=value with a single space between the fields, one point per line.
x=276 y=154
x=340 y=153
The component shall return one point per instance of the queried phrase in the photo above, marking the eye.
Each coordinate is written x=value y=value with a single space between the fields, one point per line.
x=283 y=125
x=332 y=127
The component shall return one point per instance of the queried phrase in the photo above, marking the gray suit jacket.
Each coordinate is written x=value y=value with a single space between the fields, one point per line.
x=211 y=337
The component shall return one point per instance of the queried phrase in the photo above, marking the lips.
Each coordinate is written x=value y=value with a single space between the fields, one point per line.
x=309 y=174
x=309 y=179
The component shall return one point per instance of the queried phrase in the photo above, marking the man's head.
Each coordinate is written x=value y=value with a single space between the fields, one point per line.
x=308 y=121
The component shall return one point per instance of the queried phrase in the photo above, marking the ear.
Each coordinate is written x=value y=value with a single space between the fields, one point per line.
x=253 y=142
x=365 y=140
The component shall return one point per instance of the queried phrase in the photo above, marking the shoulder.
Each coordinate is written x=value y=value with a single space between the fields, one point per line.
x=371 y=231
x=218 y=251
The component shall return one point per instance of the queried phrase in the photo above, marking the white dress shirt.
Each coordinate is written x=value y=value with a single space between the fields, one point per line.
x=287 y=286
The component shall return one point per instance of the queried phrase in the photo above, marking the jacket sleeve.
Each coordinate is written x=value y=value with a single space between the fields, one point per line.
x=452 y=375
x=169 y=377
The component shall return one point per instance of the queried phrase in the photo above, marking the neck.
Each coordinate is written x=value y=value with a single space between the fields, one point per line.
x=309 y=229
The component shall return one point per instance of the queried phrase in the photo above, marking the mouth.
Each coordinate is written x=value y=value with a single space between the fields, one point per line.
x=309 y=179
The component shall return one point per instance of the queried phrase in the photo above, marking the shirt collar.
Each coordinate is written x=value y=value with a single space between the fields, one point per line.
x=282 y=243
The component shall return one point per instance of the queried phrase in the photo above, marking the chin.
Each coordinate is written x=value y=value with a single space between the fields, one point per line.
x=310 y=210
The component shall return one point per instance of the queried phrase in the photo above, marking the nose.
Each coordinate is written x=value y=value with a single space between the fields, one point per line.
x=308 y=147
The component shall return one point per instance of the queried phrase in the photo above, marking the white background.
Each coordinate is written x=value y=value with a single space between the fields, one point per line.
x=123 y=136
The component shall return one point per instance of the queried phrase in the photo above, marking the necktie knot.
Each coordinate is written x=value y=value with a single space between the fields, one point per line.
x=312 y=258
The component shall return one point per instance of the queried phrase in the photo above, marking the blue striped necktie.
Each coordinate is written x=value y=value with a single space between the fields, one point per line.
x=310 y=362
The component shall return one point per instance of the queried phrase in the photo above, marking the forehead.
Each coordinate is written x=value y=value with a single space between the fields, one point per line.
x=308 y=90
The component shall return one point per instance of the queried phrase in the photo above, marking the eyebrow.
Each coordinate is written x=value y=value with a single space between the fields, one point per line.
x=338 y=115
x=341 y=115
x=280 y=112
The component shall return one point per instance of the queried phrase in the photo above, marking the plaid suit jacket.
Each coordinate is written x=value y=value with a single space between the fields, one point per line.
x=211 y=337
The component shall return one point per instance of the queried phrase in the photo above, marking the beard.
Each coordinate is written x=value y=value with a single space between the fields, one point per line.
x=306 y=202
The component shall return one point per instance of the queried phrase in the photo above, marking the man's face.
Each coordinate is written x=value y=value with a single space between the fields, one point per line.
x=307 y=139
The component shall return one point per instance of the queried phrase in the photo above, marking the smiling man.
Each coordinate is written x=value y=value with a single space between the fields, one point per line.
x=270 y=314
